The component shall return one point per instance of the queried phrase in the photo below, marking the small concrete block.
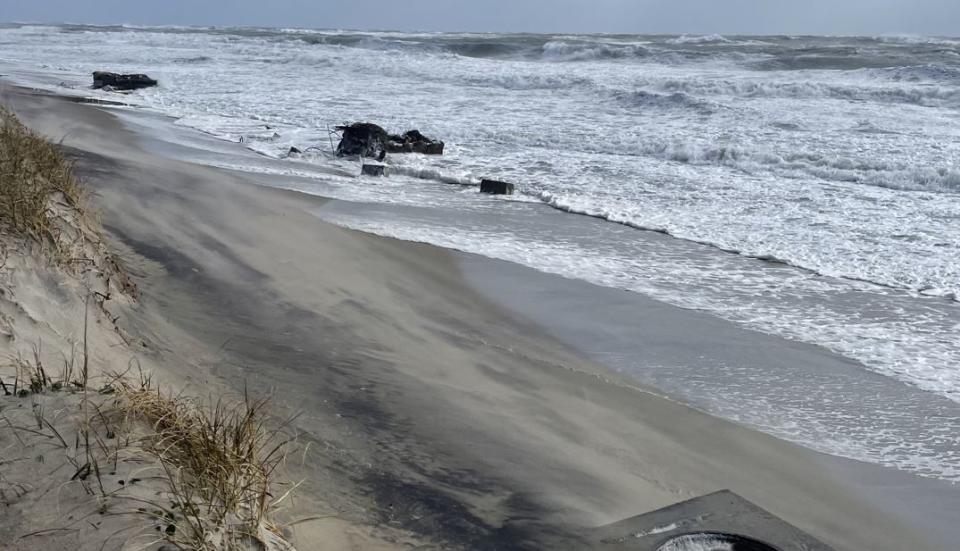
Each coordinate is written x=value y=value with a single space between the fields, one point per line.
x=374 y=170
x=496 y=187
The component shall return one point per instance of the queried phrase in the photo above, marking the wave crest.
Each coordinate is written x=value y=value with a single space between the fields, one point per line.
x=928 y=96
x=586 y=51
x=192 y=60
x=675 y=100
x=801 y=165
x=922 y=73
x=699 y=39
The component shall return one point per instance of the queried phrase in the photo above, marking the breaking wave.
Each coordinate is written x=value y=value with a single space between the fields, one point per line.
x=699 y=39
x=918 y=40
x=578 y=204
x=801 y=165
x=675 y=100
x=587 y=51
x=531 y=81
x=928 y=96
x=921 y=73
x=190 y=60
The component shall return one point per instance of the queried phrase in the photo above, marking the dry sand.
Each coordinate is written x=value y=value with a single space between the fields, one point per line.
x=432 y=416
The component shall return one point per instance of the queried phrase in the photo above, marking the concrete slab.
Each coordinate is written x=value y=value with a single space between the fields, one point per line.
x=722 y=521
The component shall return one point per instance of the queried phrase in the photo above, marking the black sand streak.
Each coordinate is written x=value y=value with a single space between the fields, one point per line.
x=431 y=512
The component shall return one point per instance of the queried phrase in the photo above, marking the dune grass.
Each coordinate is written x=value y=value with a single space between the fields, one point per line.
x=219 y=460
x=32 y=173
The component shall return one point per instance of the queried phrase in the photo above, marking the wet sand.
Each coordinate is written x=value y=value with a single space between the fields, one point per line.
x=434 y=412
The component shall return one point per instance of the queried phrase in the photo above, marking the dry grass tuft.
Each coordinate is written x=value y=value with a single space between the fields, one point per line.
x=32 y=173
x=31 y=376
x=42 y=202
x=219 y=460
x=214 y=462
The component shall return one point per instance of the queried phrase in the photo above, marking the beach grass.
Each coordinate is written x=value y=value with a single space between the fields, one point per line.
x=218 y=459
x=33 y=172
x=215 y=461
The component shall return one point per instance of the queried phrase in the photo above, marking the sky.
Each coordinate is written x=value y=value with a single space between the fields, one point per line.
x=870 y=17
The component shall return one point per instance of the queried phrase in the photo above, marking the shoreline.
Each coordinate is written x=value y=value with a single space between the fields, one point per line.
x=424 y=367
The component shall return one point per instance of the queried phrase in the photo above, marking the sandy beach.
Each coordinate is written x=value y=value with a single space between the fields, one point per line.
x=436 y=416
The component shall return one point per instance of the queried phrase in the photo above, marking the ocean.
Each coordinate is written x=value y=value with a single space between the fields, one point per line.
x=804 y=187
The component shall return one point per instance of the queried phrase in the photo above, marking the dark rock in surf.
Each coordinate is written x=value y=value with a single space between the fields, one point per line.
x=293 y=152
x=116 y=81
x=362 y=139
x=366 y=139
x=496 y=187
x=415 y=136
x=413 y=141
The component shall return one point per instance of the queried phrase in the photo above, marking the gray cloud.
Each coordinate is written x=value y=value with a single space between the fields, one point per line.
x=626 y=16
